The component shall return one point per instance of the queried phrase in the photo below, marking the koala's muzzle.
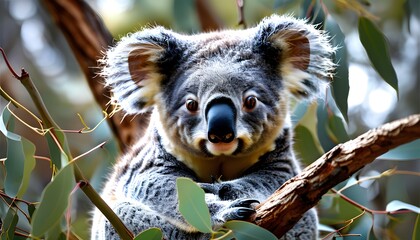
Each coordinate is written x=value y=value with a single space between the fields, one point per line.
x=221 y=120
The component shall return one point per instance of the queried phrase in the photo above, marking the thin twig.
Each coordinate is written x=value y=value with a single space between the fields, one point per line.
x=360 y=206
x=8 y=63
x=240 y=4
x=86 y=153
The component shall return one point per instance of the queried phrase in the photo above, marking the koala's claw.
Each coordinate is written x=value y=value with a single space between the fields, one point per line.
x=240 y=209
x=238 y=213
x=243 y=213
x=248 y=203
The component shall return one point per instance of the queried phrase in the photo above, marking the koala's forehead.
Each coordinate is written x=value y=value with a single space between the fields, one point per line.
x=219 y=75
x=237 y=45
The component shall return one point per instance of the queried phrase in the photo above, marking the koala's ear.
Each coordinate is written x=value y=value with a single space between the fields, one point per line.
x=136 y=66
x=300 y=53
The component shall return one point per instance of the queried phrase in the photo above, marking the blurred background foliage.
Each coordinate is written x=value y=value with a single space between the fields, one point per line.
x=31 y=40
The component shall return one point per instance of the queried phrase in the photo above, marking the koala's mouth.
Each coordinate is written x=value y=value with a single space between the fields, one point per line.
x=217 y=149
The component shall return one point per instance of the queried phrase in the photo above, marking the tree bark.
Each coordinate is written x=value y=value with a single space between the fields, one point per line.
x=286 y=206
x=88 y=37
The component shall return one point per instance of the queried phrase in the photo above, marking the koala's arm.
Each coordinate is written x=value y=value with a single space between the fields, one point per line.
x=152 y=202
x=144 y=196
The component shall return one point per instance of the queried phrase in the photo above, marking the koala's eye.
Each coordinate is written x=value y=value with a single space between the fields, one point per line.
x=191 y=105
x=250 y=102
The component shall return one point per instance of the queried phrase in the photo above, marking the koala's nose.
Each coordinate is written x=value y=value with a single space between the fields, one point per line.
x=221 y=118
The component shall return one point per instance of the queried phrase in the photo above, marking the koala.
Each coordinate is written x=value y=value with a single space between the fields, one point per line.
x=219 y=104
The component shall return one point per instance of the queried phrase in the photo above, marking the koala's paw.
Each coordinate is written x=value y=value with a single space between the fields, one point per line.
x=224 y=191
x=210 y=188
x=239 y=209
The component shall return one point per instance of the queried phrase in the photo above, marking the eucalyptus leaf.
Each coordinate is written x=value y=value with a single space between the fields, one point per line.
x=31 y=209
x=377 y=49
x=325 y=228
x=331 y=127
x=9 y=224
x=398 y=205
x=58 y=158
x=299 y=112
x=56 y=232
x=185 y=14
x=248 y=231
x=29 y=153
x=150 y=234
x=408 y=151
x=340 y=83
x=313 y=11
x=192 y=204
x=14 y=164
x=54 y=202
x=14 y=159
x=416 y=231
x=20 y=158
x=5 y=116
x=336 y=129
x=305 y=145
x=283 y=3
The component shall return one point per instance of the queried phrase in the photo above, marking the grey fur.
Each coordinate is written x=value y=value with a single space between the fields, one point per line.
x=264 y=62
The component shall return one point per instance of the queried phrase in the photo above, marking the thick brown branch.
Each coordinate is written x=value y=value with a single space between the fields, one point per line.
x=287 y=205
x=88 y=38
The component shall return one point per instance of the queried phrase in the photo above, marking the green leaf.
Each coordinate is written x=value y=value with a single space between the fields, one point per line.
x=14 y=159
x=20 y=158
x=192 y=204
x=305 y=145
x=14 y=167
x=55 y=232
x=325 y=228
x=248 y=231
x=398 y=205
x=58 y=158
x=313 y=11
x=283 y=3
x=299 y=112
x=416 y=231
x=340 y=83
x=9 y=224
x=31 y=209
x=376 y=46
x=306 y=139
x=408 y=151
x=29 y=153
x=185 y=15
x=336 y=129
x=223 y=233
x=54 y=201
x=5 y=116
x=150 y=234
x=331 y=127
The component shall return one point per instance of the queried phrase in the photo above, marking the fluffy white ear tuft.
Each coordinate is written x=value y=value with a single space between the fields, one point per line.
x=304 y=54
x=132 y=68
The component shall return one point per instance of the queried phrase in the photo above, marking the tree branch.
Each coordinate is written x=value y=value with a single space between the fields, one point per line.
x=88 y=37
x=286 y=206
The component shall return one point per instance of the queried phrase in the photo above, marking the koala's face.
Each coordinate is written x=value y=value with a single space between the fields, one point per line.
x=222 y=94
x=227 y=104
